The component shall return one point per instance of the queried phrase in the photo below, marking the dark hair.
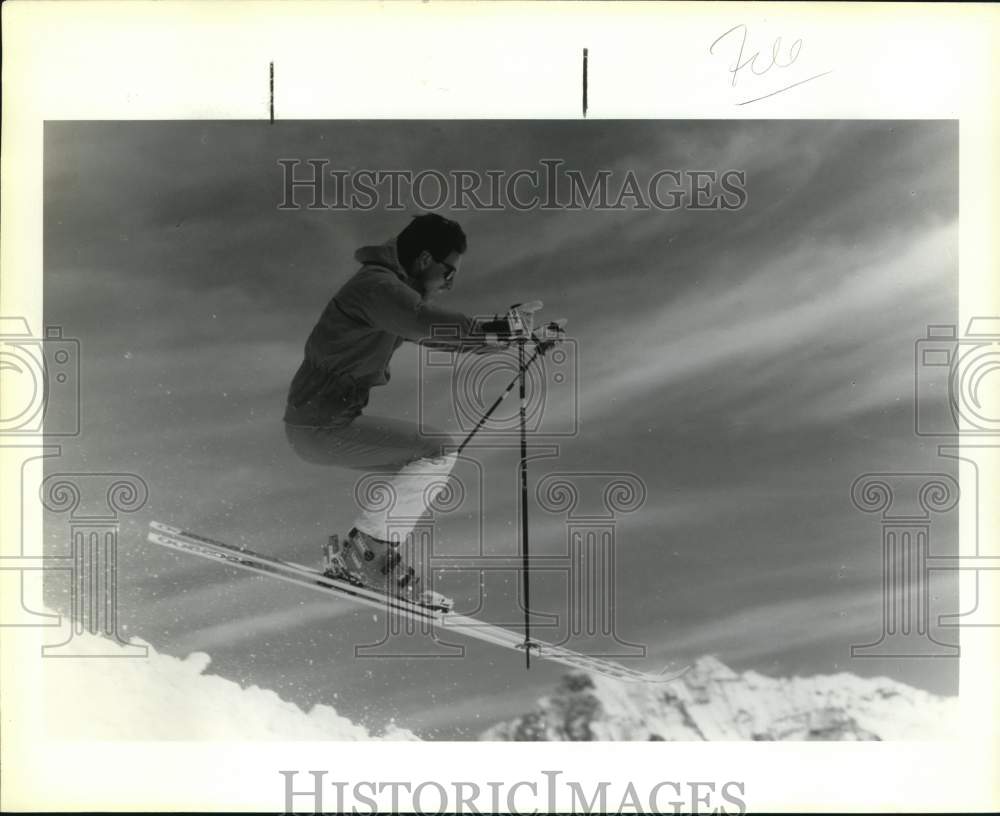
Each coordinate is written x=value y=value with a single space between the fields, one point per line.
x=433 y=232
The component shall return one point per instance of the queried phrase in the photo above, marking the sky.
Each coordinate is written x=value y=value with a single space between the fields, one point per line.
x=746 y=366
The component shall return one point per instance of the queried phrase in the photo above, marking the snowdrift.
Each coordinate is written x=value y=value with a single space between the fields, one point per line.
x=166 y=698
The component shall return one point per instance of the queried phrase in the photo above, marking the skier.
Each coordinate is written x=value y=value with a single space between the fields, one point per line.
x=387 y=302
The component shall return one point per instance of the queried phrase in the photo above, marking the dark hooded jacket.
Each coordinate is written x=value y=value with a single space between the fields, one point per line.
x=348 y=351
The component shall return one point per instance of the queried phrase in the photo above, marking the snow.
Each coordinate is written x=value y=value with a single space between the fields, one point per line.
x=167 y=698
x=712 y=702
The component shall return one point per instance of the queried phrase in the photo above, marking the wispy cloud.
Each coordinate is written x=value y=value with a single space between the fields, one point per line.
x=278 y=621
x=828 y=320
x=764 y=630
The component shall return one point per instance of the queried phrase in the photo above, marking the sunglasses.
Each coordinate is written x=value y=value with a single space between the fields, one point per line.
x=449 y=271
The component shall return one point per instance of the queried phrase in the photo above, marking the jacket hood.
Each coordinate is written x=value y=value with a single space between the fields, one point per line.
x=382 y=255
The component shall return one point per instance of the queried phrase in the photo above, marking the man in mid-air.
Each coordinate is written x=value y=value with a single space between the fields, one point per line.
x=387 y=302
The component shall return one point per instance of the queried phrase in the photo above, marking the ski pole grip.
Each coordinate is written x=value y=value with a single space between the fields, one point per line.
x=522 y=317
x=530 y=307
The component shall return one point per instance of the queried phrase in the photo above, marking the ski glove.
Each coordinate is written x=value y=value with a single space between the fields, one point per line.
x=502 y=331
x=498 y=332
x=548 y=336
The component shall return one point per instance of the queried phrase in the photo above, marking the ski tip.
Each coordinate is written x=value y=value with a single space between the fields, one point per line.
x=166 y=528
x=663 y=677
x=158 y=538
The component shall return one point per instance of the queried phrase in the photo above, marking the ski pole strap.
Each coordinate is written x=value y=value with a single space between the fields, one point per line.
x=522 y=376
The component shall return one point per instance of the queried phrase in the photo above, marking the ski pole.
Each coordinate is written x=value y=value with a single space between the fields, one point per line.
x=525 y=326
x=522 y=368
x=501 y=398
x=524 y=506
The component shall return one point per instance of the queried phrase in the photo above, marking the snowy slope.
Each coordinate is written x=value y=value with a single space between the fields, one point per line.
x=164 y=698
x=712 y=702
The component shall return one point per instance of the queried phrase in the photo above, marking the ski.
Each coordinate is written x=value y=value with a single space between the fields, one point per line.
x=189 y=542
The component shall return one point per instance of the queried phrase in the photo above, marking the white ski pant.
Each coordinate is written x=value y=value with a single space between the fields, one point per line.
x=415 y=467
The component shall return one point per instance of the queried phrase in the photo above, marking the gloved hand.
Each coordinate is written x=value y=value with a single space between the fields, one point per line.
x=549 y=335
x=515 y=324
x=499 y=331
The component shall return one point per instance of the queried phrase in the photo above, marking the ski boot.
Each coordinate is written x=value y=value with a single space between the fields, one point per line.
x=370 y=562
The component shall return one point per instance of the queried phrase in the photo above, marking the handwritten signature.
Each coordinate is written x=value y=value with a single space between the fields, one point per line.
x=758 y=67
